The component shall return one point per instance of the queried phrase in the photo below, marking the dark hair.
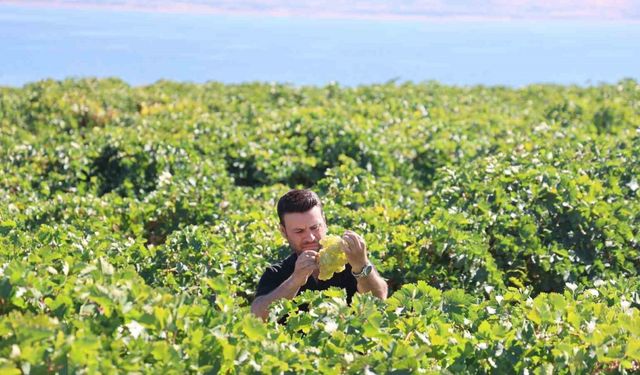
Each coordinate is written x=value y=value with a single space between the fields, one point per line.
x=297 y=201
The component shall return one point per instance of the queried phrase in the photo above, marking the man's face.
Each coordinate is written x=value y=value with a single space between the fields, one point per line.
x=304 y=230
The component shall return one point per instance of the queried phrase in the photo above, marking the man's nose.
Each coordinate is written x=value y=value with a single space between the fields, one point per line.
x=310 y=237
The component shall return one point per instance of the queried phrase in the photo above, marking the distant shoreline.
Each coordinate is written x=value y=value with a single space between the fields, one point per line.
x=338 y=84
x=382 y=13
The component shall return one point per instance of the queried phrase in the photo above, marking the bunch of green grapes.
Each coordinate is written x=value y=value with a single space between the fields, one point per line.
x=332 y=257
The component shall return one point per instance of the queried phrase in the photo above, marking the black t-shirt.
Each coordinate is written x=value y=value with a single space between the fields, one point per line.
x=277 y=273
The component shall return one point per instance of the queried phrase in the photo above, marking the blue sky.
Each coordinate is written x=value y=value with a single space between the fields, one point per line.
x=496 y=42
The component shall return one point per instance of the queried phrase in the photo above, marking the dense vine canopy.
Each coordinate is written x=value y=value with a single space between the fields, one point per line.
x=135 y=223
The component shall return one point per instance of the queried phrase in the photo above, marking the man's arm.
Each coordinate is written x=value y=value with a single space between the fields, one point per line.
x=373 y=283
x=288 y=289
x=304 y=267
x=356 y=252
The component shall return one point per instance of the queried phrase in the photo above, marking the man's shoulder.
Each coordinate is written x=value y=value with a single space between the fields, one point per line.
x=275 y=274
x=284 y=264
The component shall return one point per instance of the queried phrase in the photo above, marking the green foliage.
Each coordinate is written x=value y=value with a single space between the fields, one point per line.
x=136 y=222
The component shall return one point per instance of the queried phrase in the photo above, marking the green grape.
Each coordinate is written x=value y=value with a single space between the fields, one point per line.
x=332 y=257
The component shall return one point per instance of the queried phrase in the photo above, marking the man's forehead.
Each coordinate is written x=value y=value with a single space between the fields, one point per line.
x=303 y=219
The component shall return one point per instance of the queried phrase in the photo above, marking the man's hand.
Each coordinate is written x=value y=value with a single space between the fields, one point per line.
x=306 y=263
x=356 y=250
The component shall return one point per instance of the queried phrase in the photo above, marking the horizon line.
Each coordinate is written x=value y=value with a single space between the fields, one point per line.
x=288 y=13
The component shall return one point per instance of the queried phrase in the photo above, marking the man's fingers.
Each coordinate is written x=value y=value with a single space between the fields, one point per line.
x=308 y=255
x=306 y=269
x=307 y=261
x=355 y=236
x=311 y=261
x=349 y=240
x=355 y=241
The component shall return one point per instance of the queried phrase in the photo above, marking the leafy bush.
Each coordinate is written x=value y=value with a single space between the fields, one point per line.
x=136 y=222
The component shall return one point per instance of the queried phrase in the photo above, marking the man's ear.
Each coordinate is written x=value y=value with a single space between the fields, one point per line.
x=283 y=231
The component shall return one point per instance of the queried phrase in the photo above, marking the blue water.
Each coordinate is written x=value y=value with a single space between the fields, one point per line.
x=142 y=48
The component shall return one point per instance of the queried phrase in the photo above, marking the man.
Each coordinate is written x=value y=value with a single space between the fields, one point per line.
x=303 y=224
